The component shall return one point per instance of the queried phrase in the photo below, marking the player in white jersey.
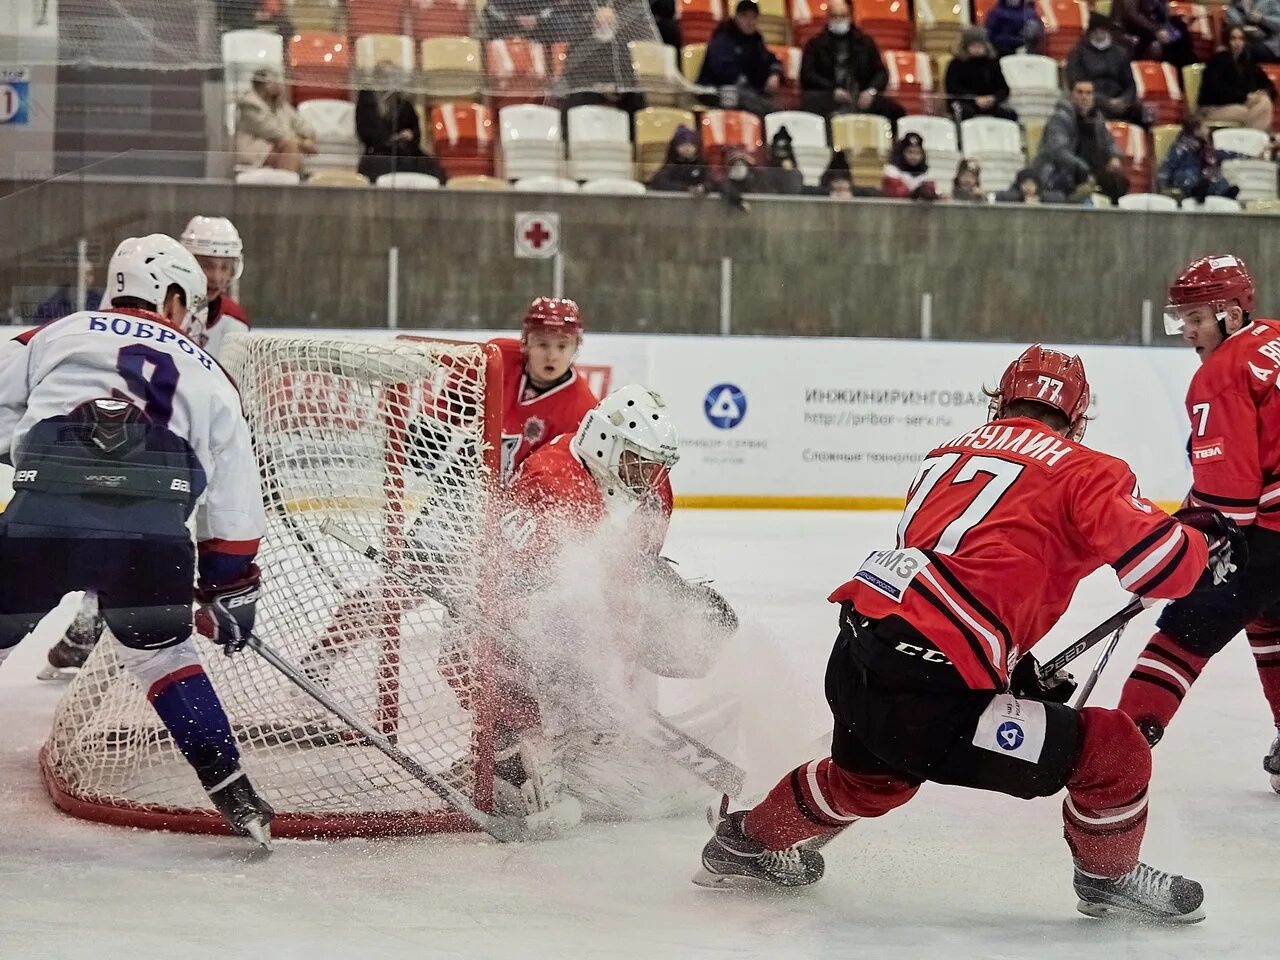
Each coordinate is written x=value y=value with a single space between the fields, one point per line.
x=215 y=243
x=117 y=426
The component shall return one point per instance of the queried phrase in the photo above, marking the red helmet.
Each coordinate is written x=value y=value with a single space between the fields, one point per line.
x=553 y=315
x=1050 y=377
x=1216 y=279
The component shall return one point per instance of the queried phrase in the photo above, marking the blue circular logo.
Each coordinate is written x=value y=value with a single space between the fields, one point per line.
x=1009 y=735
x=725 y=406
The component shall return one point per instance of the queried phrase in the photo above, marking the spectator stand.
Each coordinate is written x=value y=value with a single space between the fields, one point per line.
x=320 y=67
x=599 y=143
x=997 y=146
x=334 y=122
x=1131 y=141
x=911 y=81
x=698 y=19
x=1033 y=84
x=808 y=19
x=1159 y=89
x=1064 y=25
x=462 y=138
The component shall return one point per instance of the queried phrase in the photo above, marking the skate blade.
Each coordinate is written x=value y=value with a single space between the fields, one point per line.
x=259 y=833
x=1108 y=911
x=731 y=881
x=54 y=674
x=1275 y=782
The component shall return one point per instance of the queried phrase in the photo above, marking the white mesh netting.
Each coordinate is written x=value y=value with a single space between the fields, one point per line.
x=330 y=420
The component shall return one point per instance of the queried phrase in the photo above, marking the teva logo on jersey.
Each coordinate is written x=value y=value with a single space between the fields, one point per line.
x=1009 y=735
x=1208 y=451
x=725 y=406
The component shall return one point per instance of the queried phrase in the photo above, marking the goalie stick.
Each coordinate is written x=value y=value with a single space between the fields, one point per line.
x=713 y=769
x=503 y=829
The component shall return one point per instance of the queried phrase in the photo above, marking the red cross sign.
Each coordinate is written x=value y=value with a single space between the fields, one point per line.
x=537 y=235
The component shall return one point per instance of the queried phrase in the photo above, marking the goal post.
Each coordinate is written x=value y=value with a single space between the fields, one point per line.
x=337 y=427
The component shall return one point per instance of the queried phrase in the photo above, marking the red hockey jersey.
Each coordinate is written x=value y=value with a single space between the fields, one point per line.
x=531 y=419
x=1001 y=525
x=225 y=316
x=1234 y=405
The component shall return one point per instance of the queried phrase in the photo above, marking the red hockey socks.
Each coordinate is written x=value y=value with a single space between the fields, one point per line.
x=1105 y=812
x=1264 y=641
x=1160 y=679
x=820 y=798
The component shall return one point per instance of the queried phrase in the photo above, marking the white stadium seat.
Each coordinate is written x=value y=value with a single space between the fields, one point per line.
x=530 y=138
x=404 y=180
x=808 y=139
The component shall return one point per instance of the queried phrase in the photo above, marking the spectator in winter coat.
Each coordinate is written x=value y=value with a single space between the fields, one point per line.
x=683 y=171
x=1234 y=89
x=974 y=84
x=1152 y=33
x=664 y=16
x=841 y=70
x=63 y=300
x=1077 y=154
x=534 y=19
x=837 y=181
x=782 y=175
x=740 y=63
x=1106 y=64
x=1014 y=25
x=269 y=132
x=1261 y=22
x=967 y=185
x=1027 y=189
x=598 y=68
x=1193 y=168
x=388 y=127
x=907 y=175
x=740 y=177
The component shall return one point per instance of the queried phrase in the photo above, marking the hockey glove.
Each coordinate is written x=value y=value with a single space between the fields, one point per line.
x=716 y=608
x=1228 y=549
x=432 y=449
x=227 y=611
x=1025 y=682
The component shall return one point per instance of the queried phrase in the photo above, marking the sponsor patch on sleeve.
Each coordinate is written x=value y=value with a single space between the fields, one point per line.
x=1208 y=450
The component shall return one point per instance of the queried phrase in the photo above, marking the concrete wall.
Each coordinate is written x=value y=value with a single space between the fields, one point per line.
x=317 y=257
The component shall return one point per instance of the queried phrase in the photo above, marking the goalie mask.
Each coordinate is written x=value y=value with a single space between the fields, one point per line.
x=1051 y=377
x=629 y=445
x=146 y=267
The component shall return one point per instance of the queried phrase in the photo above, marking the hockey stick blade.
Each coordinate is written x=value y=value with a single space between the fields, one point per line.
x=1095 y=636
x=710 y=767
x=503 y=829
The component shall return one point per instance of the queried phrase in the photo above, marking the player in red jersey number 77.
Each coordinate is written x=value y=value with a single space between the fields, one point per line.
x=1234 y=407
x=931 y=677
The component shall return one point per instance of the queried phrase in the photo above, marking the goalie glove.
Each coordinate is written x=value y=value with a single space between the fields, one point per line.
x=716 y=609
x=1228 y=549
x=227 y=611
x=432 y=449
x=1025 y=682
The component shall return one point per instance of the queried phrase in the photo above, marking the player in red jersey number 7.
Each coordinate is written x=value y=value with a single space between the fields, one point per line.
x=931 y=677
x=1234 y=407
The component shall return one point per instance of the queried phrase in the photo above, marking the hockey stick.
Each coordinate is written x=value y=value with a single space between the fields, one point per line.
x=500 y=828
x=1112 y=625
x=1090 y=681
x=713 y=769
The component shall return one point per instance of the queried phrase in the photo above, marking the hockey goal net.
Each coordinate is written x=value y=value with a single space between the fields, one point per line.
x=334 y=423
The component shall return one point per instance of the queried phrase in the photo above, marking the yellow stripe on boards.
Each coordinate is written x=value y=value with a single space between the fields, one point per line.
x=765 y=501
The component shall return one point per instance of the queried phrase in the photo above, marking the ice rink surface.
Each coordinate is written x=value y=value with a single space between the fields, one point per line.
x=954 y=874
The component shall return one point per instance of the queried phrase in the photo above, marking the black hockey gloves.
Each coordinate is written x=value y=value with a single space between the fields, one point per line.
x=1025 y=682
x=1228 y=549
x=227 y=611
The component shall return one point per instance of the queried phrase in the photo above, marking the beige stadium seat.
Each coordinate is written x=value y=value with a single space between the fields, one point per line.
x=939 y=24
x=691 y=56
x=774 y=25
x=1032 y=133
x=377 y=47
x=451 y=68
x=477 y=183
x=336 y=178
x=1191 y=77
x=866 y=140
x=315 y=14
x=1263 y=206
x=655 y=127
x=656 y=71
x=1164 y=135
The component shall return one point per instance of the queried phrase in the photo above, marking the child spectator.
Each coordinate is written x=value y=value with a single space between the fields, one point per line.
x=388 y=127
x=740 y=177
x=837 y=181
x=783 y=174
x=683 y=171
x=1234 y=89
x=906 y=175
x=967 y=185
x=1013 y=26
x=1193 y=167
x=974 y=82
x=1026 y=188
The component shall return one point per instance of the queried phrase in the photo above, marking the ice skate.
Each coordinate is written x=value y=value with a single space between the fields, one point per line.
x=1271 y=762
x=68 y=655
x=247 y=813
x=1143 y=893
x=520 y=789
x=731 y=859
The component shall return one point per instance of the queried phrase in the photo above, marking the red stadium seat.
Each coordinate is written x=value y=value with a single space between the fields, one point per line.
x=517 y=71
x=788 y=96
x=1272 y=70
x=910 y=80
x=320 y=64
x=1064 y=24
x=1199 y=25
x=722 y=129
x=1131 y=140
x=980 y=8
x=699 y=19
x=887 y=22
x=441 y=18
x=374 y=16
x=462 y=136
x=1159 y=89
x=808 y=19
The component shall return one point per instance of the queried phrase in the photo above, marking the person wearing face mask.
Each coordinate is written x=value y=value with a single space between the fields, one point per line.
x=1014 y=27
x=841 y=70
x=1107 y=65
x=740 y=178
x=1234 y=88
x=388 y=127
x=598 y=68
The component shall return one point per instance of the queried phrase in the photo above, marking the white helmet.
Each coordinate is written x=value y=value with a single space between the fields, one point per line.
x=215 y=237
x=634 y=420
x=145 y=268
